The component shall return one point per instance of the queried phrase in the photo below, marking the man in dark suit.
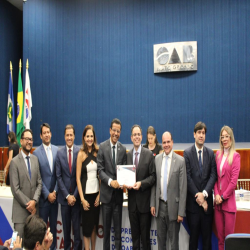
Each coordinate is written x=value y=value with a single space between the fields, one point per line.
x=139 y=194
x=201 y=177
x=46 y=154
x=25 y=182
x=110 y=154
x=68 y=195
x=168 y=195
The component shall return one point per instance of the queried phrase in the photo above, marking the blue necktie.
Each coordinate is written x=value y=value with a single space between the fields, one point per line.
x=165 y=180
x=200 y=162
x=28 y=163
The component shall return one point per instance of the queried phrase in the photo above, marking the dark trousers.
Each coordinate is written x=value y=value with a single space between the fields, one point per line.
x=71 y=213
x=112 y=210
x=200 y=223
x=50 y=212
x=140 y=229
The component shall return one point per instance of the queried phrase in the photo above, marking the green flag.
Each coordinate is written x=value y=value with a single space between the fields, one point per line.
x=19 y=121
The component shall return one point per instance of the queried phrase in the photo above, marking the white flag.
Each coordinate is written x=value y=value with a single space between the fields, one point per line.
x=27 y=102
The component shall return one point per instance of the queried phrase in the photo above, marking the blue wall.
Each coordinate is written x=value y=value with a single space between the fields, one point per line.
x=92 y=60
x=11 y=45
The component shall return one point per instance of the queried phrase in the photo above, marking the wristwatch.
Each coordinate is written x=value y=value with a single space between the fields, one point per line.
x=204 y=194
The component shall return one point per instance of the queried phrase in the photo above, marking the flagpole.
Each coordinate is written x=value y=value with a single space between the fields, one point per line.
x=27 y=99
x=11 y=68
x=20 y=126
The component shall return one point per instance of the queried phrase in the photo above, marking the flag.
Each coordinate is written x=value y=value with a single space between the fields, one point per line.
x=28 y=102
x=19 y=121
x=10 y=108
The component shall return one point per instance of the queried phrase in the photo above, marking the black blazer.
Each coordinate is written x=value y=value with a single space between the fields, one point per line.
x=106 y=170
x=197 y=182
x=145 y=173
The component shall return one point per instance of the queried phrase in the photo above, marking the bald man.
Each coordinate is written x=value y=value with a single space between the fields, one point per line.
x=168 y=195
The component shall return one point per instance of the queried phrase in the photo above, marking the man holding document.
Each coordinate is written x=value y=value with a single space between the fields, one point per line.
x=139 y=193
x=111 y=153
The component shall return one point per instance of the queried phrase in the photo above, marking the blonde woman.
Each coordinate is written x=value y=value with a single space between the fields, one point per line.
x=228 y=169
x=88 y=186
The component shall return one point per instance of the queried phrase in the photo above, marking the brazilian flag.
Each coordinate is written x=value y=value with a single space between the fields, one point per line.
x=19 y=121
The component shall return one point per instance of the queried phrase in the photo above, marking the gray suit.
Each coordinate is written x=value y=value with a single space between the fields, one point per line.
x=23 y=188
x=167 y=212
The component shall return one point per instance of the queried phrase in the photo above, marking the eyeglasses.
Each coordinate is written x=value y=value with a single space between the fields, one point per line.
x=225 y=137
x=115 y=130
x=28 y=139
x=138 y=134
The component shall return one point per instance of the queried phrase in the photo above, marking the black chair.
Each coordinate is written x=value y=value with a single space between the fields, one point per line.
x=237 y=242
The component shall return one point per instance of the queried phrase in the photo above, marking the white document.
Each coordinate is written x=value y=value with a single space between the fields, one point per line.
x=126 y=175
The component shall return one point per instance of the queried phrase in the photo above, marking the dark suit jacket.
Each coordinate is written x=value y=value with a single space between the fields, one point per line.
x=23 y=188
x=106 y=170
x=65 y=179
x=197 y=182
x=145 y=173
x=48 y=177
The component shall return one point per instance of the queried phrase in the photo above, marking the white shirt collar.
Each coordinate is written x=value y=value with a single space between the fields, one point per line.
x=45 y=146
x=197 y=149
x=169 y=155
x=72 y=148
x=138 y=151
x=24 y=155
x=111 y=144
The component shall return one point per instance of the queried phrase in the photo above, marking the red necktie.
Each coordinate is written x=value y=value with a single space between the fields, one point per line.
x=70 y=160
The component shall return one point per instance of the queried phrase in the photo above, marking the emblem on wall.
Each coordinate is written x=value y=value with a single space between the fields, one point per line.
x=170 y=57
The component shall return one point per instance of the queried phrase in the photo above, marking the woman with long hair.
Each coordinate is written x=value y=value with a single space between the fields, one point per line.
x=12 y=152
x=228 y=169
x=152 y=142
x=88 y=186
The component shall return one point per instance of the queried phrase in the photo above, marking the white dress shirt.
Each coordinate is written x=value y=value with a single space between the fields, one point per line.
x=25 y=160
x=163 y=170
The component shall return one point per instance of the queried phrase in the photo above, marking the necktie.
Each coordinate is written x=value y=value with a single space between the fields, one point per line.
x=70 y=160
x=165 y=180
x=114 y=156
x=200 y=162
x=136 y=159
x=28 y=163
x=49 y=158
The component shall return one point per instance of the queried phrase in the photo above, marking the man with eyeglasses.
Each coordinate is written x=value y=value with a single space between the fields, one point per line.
x=46 y=154
x=25 y=182
x=139 y=193
x=111 y=153
x=201 y=177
